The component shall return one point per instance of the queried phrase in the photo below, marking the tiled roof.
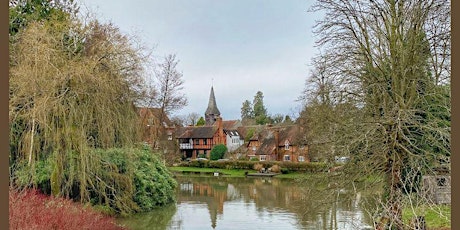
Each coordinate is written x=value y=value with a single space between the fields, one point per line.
x=196 y=132
x=266 y=137
x=231 y=124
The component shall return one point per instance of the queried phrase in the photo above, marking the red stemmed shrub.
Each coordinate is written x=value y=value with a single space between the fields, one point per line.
x=31 y=209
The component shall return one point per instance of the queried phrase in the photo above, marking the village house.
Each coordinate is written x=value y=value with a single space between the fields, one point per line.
x=198 y=141
x=266 y=143
x=233 y=137
x=157 y=128
x=276 y=143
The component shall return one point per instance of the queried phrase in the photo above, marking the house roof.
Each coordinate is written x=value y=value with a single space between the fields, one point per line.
x=290 y=133
x=231 y=132
x=266 y=136
x=231 y=124
x=196 y=132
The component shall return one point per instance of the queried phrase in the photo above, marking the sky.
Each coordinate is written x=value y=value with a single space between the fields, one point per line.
x=238 y=47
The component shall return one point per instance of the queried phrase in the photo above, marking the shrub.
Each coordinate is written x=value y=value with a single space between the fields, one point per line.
x=284 y=171
x=258 y=167
x=199 y=163
x=31 y=209
x=218 y=152
x=275 y=168
x=254 y=159
x=154 y=184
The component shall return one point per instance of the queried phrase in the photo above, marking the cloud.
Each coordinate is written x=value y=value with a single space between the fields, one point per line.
x=245 y=46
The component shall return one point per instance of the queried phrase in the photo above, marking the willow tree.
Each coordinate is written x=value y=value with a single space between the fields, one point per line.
x=72 y=90
x=391 y=60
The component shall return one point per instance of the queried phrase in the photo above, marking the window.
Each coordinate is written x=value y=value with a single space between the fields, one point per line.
x=205 y=141
x=301 y=158
x=286 y=145
x=263 y=157
x=197 y=141
x=169 y=137
x=254 y=148
x=287 y=157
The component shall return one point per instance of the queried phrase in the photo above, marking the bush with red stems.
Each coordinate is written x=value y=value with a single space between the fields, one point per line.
x=30 y=209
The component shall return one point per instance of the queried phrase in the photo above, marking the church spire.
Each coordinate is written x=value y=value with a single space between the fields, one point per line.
x=212 y=112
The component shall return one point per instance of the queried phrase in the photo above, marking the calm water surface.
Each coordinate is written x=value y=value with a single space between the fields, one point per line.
x=255 y=203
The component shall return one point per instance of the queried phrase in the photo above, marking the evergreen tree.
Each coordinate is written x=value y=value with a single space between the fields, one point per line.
x=259 y=110
x=246 y=111
x=201 y=122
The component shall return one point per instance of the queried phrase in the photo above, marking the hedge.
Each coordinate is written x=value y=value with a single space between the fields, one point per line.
x=285 y=165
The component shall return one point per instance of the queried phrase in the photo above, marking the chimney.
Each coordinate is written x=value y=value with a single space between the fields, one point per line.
x=220 y=129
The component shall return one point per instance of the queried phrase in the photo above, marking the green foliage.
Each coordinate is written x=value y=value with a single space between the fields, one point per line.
x=218 y=152
x=246 y=110
x=153 y=182
x=260 y=112
x=198 y=163
x=122 y=180
x=201 y=122
x=438 y=216
x=309 y=167
x=23 y=12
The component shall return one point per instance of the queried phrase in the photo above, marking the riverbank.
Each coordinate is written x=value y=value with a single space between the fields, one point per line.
x=232 y=172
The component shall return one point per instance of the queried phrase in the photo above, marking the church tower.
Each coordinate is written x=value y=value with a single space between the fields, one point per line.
x=212 y=112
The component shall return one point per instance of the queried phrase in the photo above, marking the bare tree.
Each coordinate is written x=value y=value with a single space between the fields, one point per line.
x=390 y=61
x=192 y=118
x=168 y=94
x=170 y=86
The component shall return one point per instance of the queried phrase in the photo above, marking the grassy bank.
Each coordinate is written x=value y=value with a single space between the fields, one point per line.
x=232 y=172
x=224 y=172
x=436 y=217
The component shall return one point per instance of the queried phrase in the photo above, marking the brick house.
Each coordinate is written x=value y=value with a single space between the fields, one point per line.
x=195 y=141
x=280 y=143
x=199 y=140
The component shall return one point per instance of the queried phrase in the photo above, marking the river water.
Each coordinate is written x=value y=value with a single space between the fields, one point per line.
x=207 y=202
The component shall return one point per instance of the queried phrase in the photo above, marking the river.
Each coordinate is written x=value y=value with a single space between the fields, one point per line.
x=207 y=202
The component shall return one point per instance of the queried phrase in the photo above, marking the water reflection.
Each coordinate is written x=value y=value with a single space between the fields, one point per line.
x=255 y=203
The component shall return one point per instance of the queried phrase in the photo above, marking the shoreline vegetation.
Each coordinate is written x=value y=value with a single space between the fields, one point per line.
x=32 y=209
x=178 y=170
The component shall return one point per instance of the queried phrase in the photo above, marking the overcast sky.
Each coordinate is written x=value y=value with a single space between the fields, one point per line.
x=244 y=45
